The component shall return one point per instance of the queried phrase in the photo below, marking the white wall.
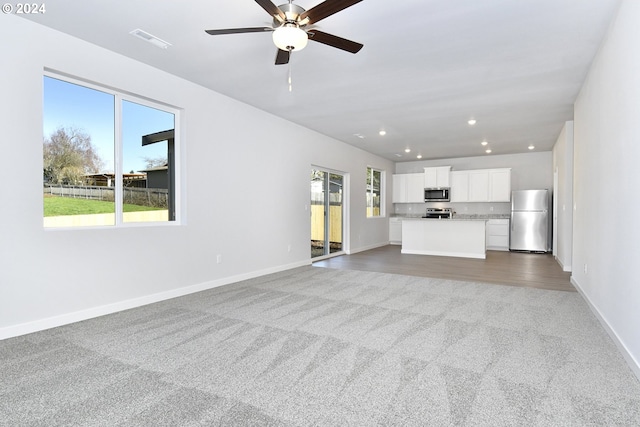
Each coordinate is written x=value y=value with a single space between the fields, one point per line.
x=50 y=277
x=563 y=166
x=606 y=243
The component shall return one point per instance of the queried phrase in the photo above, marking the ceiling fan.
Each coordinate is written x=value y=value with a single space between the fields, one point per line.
x=292 y=27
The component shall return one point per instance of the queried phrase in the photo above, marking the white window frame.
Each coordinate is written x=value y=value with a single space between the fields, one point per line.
x=382 y=192
x=119 y=97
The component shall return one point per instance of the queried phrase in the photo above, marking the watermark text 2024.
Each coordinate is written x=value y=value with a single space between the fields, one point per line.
x=24 y=8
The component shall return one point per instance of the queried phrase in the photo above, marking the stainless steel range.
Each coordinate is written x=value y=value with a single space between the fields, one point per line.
x=439 y=213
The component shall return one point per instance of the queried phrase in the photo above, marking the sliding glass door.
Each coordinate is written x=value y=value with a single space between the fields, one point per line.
x=326 y=212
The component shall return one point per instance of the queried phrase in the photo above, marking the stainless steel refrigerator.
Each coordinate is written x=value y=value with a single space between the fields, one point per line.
x=530 y=221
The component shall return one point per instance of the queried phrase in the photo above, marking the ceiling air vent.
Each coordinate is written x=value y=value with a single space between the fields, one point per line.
x=150 y=38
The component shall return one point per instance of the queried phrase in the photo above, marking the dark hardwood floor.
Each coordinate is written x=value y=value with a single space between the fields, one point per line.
x=504 y=268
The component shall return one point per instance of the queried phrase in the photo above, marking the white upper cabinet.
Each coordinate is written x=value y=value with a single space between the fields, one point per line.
x=408 y=188
x=399 y=194
x=481 y=185
x=459 y=186
x=500 y=185
x=415 y=188
x=437 y=177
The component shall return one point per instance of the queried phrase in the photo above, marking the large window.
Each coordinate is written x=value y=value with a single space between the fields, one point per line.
x=108 y=158
x=374 y=192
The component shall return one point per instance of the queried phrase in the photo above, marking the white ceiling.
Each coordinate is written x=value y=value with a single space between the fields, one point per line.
x=427 y=66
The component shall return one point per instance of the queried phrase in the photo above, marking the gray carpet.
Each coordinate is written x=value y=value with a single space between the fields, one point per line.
x=322 y=347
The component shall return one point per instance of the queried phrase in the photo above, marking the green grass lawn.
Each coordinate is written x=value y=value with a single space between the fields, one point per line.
x=58 y=206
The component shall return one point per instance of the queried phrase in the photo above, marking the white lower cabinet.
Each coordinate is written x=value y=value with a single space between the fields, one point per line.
x=498 y=234
x=395 y=231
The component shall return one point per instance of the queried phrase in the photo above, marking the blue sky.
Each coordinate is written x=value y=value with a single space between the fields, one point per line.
x=72 y=106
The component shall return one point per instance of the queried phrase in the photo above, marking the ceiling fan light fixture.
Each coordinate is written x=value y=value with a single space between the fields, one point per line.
x=290 y=37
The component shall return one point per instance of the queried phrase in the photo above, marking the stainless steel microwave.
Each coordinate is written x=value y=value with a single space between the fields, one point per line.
x=436 y=195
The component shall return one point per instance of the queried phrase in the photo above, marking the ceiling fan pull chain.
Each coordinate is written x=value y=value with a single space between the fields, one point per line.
x=289 y=78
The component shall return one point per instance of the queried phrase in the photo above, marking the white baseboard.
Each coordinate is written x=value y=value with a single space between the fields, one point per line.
x=77 y=316
x=366 y=248
x=630 y=359
x=566 y=268
x=444 y=253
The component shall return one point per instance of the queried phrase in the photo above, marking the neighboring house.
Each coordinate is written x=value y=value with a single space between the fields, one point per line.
x=157 y=177
x=137 y=180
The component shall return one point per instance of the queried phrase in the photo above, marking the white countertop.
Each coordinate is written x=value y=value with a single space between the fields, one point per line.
x=456 y=217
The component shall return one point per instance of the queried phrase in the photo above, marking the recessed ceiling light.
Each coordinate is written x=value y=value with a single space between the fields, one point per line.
x=382 y=132
x=407 y=150
x=488 y=150
x=150 y=38
x=398 y=155
x=472 y=122
x=484 y=143
x=419 y=156
x=531 y=147
x=357 y=135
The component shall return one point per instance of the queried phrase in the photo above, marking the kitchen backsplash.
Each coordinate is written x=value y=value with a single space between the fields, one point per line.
x=459 y=208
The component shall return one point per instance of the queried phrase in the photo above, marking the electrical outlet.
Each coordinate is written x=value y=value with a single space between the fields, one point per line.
x=289 y=248
x=585 y=269
x=219 y=258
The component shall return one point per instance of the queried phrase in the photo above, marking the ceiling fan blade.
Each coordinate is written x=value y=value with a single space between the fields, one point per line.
x=334 y=41
x=239 y=30
x=326 y=8
x=272 y=9
x=282 y=57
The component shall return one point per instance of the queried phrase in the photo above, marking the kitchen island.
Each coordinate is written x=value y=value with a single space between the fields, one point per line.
x=444 y=237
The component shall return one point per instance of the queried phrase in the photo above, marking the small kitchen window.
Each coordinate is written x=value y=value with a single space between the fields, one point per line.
x=375 y=179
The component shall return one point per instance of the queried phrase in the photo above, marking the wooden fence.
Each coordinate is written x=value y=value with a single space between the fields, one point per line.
x=335 y=222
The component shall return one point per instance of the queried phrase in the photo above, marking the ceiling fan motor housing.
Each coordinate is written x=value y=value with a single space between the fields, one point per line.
x=292 y=12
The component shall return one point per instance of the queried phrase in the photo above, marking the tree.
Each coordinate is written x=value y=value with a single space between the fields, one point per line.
x=68 y=156
x=154 y=162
